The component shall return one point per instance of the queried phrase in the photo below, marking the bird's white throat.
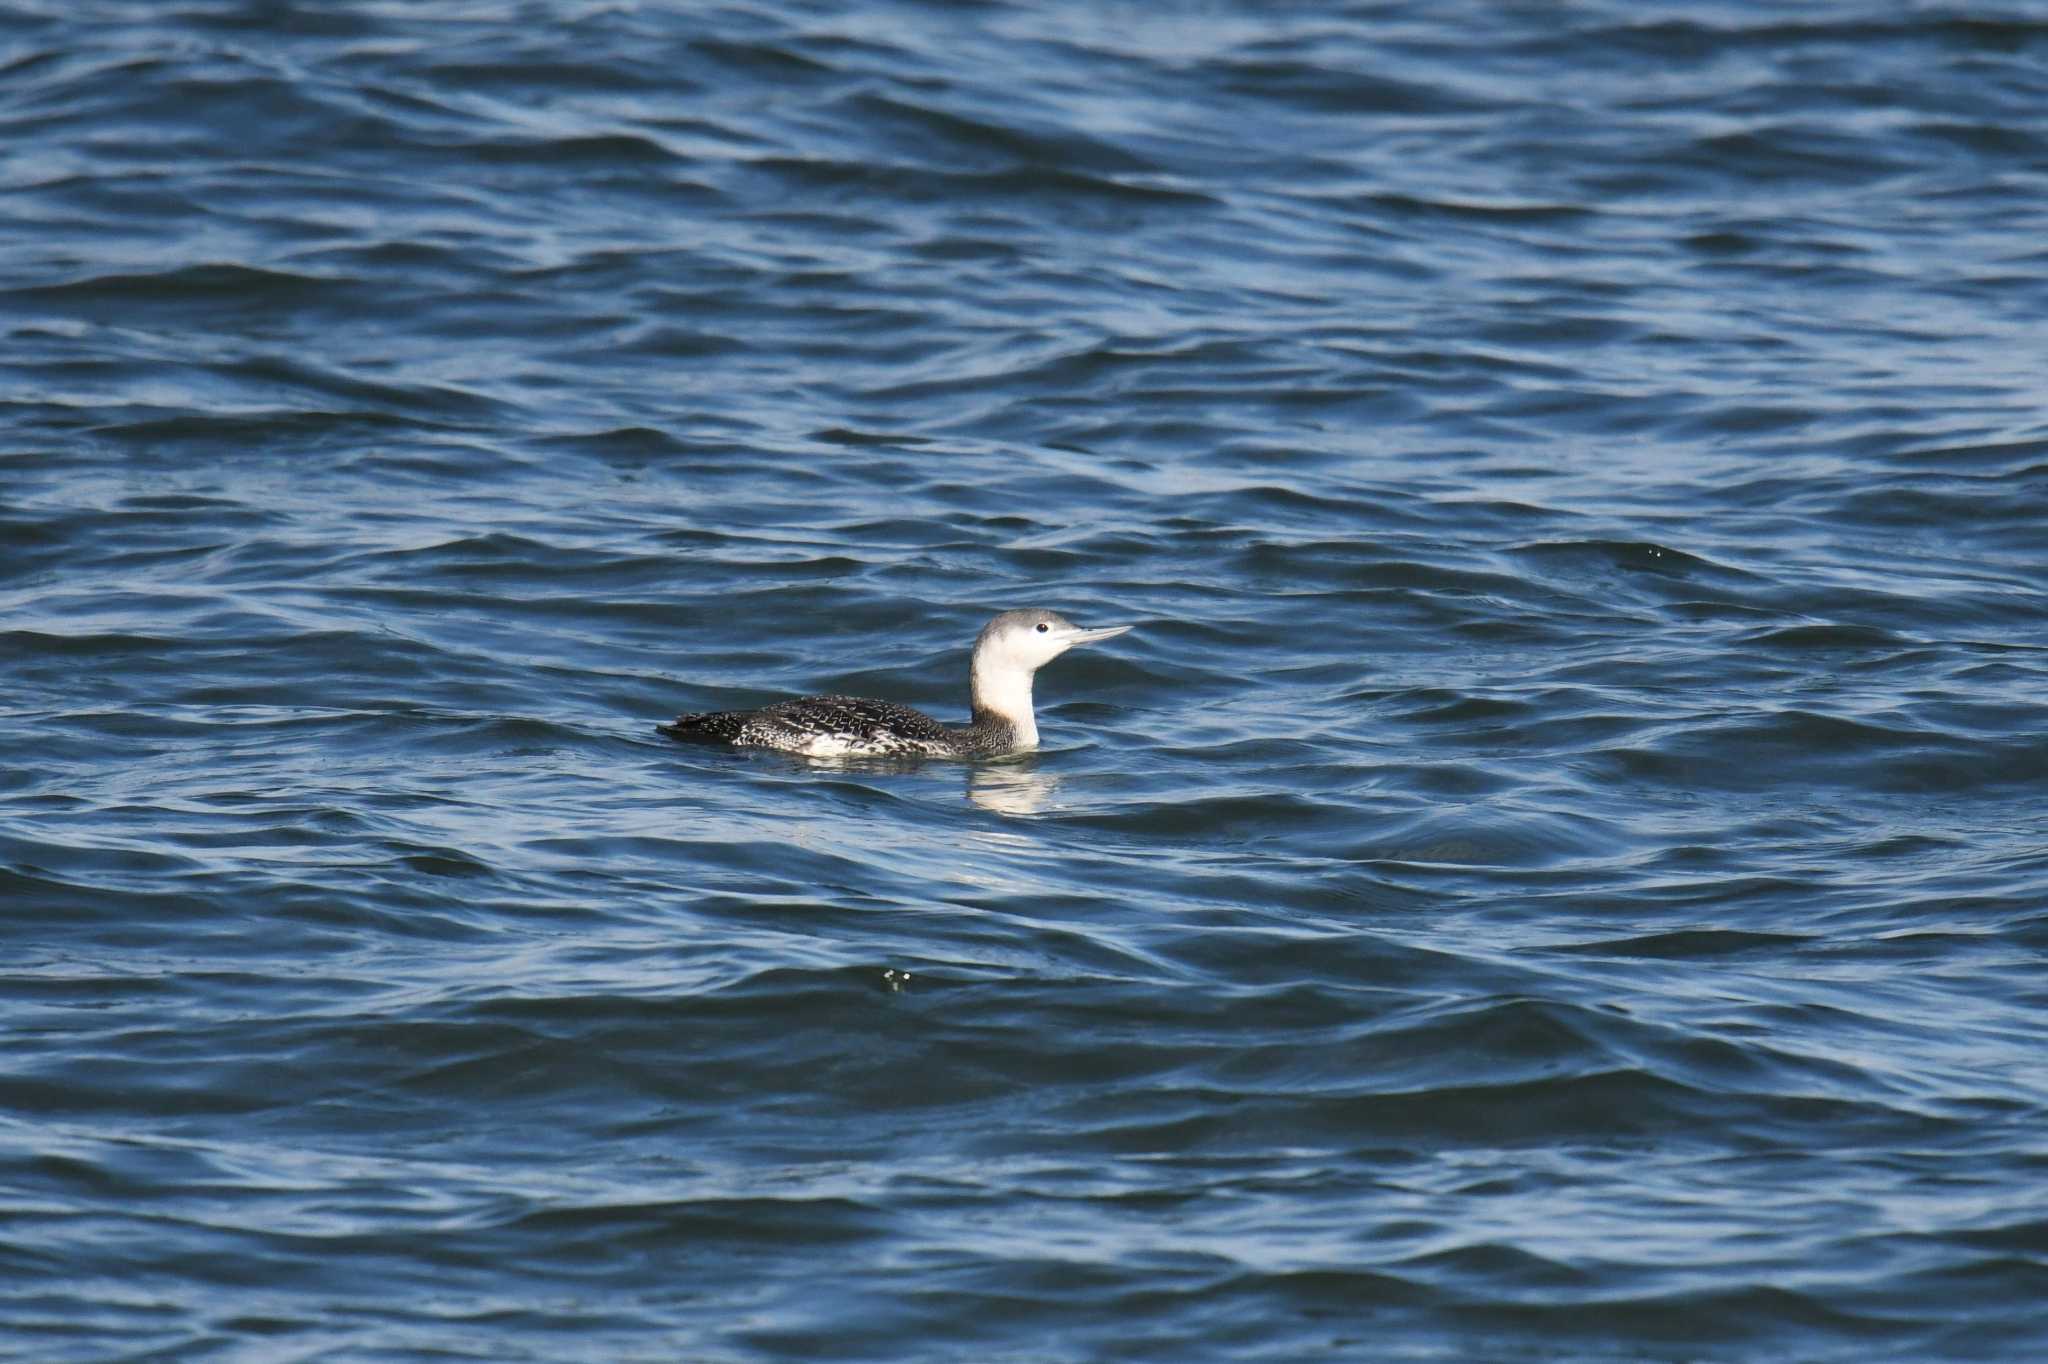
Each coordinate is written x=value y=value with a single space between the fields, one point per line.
x=1005 y=691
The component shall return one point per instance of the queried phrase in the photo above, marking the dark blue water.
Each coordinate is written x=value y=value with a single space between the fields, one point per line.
x=1559 y=872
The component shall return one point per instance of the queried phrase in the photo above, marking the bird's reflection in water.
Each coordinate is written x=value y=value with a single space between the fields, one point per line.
x=1012 y=786
x=1005 y=786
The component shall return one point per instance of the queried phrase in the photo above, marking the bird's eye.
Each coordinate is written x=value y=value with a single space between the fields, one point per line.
x=1043 y=627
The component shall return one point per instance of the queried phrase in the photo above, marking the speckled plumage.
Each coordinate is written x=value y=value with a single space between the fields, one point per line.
x=1008 y=651
x=840 y=726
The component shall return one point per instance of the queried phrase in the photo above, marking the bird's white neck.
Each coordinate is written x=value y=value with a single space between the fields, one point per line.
x=1005 y=693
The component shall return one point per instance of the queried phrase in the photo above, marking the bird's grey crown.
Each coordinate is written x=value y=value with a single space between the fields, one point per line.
x=1021 y=621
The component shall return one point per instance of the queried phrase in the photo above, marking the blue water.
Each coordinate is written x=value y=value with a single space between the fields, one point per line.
x=1558 y=872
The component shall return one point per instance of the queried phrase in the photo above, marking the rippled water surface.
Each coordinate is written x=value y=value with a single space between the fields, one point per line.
x=1558 y=872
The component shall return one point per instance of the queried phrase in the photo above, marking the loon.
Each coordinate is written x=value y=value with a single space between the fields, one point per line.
x=1007 y=652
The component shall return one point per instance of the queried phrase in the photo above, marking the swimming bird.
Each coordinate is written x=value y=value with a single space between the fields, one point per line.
x=1007 y=652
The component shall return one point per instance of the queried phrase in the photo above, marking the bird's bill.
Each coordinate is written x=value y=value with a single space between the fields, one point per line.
x=1079 y=636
